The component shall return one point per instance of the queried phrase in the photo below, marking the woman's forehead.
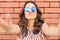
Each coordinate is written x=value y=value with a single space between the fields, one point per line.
x=30 y=5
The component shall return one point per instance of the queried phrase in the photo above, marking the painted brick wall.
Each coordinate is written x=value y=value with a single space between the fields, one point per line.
x=50 y=13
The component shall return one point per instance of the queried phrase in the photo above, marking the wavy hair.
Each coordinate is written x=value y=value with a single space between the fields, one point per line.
x=23 y=22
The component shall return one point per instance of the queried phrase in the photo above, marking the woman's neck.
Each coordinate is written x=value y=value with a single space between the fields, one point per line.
x=30 y=24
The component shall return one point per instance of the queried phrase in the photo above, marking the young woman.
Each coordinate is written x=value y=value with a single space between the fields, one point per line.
x=30 y=26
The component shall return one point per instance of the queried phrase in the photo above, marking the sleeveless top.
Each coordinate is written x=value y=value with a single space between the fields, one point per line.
x=31 y=36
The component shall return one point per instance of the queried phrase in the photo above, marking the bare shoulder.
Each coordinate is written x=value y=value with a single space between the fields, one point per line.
x=45 y=25
x=45 y=28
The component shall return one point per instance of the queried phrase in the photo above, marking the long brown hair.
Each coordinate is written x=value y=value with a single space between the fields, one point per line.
x=23 y=22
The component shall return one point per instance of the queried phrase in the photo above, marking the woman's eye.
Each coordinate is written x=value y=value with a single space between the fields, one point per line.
x=34 y=10
x=27 y=9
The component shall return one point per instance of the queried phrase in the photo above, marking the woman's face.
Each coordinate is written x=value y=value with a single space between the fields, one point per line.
x=30 y=11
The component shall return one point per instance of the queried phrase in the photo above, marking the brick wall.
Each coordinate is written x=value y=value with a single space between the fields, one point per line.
x=49 y=8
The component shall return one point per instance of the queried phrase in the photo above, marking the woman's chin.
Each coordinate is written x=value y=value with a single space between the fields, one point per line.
x=31 y=18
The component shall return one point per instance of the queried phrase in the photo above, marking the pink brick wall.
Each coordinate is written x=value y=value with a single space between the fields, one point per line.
x=49 y=8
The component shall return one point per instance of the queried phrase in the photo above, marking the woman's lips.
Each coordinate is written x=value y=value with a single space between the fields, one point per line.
x=30 y=14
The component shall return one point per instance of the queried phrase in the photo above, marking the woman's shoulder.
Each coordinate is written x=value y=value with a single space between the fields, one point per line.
x=17 y=27
x=45 y=25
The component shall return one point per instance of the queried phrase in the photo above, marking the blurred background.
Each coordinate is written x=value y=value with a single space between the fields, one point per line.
x=50 y=13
